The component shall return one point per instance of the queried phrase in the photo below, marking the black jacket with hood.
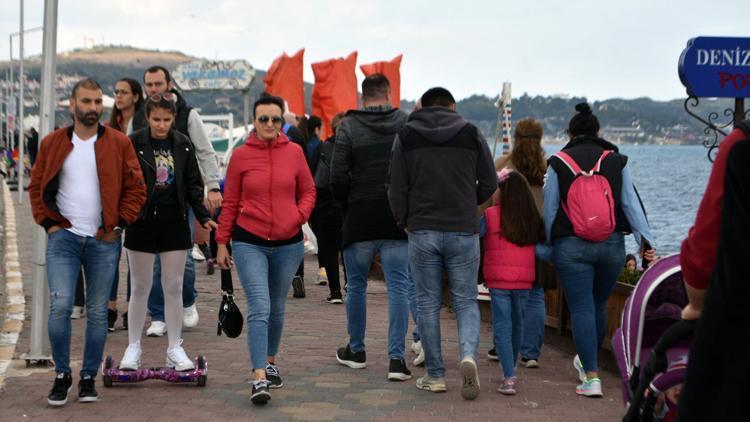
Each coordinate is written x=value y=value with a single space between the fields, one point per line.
x=359 y=173
x=441 y=169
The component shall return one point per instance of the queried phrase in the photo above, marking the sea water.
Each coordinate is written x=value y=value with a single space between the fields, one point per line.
x=671 y=180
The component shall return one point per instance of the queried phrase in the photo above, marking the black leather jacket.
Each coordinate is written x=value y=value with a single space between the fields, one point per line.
x=188 y=179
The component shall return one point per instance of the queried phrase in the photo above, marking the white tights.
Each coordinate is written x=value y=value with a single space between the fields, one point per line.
x=141 y=276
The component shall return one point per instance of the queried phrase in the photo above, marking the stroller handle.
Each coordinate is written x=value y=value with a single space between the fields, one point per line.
x=657 y=363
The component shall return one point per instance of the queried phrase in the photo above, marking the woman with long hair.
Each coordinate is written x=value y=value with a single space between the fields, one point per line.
x=268 y=195
x=528 y=158
x=128 y=101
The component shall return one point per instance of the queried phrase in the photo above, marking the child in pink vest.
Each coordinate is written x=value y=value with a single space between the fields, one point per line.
x=513 y=226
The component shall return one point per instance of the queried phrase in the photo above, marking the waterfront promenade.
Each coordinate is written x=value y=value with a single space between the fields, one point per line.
x=316 y=387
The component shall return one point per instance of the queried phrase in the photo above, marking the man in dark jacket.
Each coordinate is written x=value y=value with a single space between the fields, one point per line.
x=441 y=170
x=157 y=81
x=359 y=171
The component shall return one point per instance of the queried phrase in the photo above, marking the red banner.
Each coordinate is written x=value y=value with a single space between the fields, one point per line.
x=284 y=79
x=335 y=89
x=392 y=71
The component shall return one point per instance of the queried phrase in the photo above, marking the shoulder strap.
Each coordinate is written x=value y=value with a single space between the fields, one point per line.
x=598 y=165
x=575 y=168
x=286 y=127
x=569 y=162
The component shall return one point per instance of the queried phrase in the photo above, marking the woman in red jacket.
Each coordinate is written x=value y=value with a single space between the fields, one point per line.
x=268 y=195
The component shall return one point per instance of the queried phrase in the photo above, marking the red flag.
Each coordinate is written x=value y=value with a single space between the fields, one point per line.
x=392 y=71
x=335 y=89
x=284 y=79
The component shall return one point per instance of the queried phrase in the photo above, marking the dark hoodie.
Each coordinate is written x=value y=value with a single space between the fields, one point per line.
x=441 y=169
x=359 y=172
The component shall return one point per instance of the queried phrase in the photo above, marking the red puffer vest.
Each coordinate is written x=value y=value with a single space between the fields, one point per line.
x=506 y=266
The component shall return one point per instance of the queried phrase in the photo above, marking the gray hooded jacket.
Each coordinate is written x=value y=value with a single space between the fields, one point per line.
x=441 y=169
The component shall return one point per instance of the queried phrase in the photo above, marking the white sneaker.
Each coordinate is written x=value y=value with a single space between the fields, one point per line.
x=78 y=312
x=416 y=347
x=419 y=360
x=178 y=359
x=190 y=316
x=157 y=329
x=579 y=368
x=197 y=254
x=131 y=360
x=483 y=293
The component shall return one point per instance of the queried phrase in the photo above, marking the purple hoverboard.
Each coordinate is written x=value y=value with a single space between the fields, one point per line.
x=112 y=374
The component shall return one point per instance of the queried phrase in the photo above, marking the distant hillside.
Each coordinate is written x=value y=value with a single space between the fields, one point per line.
x=637 y=120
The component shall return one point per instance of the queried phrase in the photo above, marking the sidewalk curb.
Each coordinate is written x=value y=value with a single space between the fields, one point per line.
x=15 y=304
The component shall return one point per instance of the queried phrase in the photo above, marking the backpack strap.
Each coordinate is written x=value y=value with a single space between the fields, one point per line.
x=598 y=165
x=575 y=168
x=569 y=162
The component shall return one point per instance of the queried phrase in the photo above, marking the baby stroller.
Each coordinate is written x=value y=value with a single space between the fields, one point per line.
x=652 y=343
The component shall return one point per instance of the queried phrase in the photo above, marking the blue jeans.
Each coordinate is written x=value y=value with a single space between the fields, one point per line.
x=265 y=274
x=393 y=255
x=431 y=252
x=189 y=294
x=66 y=253
x=508 y=307
x=588 y=272
x=413 y=309
x=533 y=325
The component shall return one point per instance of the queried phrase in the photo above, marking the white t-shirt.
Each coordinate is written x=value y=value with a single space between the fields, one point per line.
x=78 y=196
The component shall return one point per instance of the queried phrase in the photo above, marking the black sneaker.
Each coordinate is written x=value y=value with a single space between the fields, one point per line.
x=492 y=354
x=298 y=285
x=260 y=393
x=59 y=394
x=397 y=370
x=335 y=298
x=111 y=319
x=351 y=359
x=125 y=320
x=86 y=390
x=273 y=376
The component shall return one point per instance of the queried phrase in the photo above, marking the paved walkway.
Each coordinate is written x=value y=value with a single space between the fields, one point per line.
x=316 y=387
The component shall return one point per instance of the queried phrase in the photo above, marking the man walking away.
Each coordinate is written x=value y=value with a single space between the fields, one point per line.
x=359 y=172
x=441 y=170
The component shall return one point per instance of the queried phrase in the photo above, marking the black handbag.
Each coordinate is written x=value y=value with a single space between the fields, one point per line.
x=230 y=317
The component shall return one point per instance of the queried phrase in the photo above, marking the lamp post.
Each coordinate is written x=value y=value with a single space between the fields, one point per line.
x=38 y=343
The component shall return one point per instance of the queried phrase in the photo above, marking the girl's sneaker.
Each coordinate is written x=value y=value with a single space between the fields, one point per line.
x=579 y=367
x=273 y=376
x=508 y=387
x=178 y=359
x=592 y=387
x=131 y=360
x=259 y=393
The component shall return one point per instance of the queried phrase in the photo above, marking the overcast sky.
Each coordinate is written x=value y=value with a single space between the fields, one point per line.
x=594 y=48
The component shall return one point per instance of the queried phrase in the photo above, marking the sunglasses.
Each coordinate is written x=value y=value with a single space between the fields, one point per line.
x=167 y=96
x=121 y=91
x=275 y=119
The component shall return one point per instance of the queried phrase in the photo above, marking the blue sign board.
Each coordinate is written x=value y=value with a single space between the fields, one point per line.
x=716 y=67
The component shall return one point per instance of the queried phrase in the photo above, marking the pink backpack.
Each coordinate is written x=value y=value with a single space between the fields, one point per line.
x=590 y=206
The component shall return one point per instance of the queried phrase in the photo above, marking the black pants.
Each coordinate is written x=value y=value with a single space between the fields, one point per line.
x=327 y=229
